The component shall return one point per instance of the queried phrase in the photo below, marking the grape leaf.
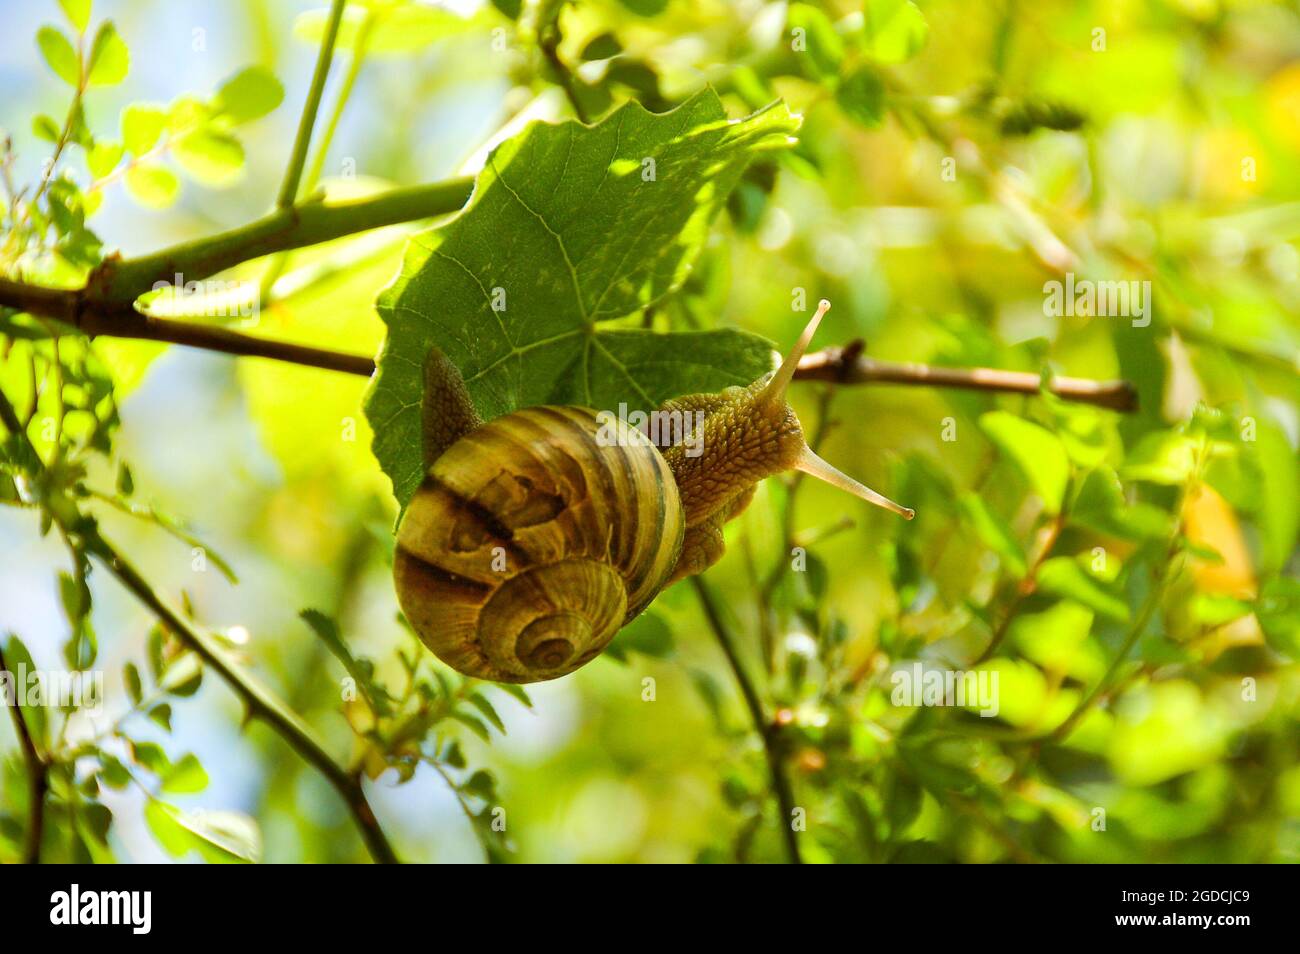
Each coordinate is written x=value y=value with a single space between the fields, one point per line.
x=570 y=226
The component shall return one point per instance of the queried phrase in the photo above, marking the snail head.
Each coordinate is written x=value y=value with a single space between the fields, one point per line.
x=751 y=433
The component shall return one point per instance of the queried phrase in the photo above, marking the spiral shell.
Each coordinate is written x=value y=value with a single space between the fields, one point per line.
x=530 y=544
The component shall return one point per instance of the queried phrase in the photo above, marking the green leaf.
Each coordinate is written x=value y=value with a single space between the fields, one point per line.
x=1164 y=457
x=59 y=53
x=21 y=669
x=186 y=113
x=157 y=665
x=211 y=157
x=481 y=783
x=360 y=670
x=142 y=124
x=1057 y=639
x=994 y=533
x=152 y=185
x=1279 y=512
x=397 y=29
x=454 y=756
x=1064 y=576
x=814 y=40
x=249 y=94
x=646 y=8
x=77 y=12
x=1037 y=452
x=601 y=47
x=1216 y=609
x=103 y=157
x=1099 y=505
x=185 y=777
x=648 y=634
x=474 y=723
x=151 y=756
x=570 y=226
x=184 y=676
x=862 y=97
x=75 y=598
x=517 y=691
x=219 y=836
x=1278 y=611
x=131 y=678
x=109 y=58
x=1164 y=730
x=481 y=703
x=895 y=30
x=43 y=127
x=161 y=714
x=114 y=773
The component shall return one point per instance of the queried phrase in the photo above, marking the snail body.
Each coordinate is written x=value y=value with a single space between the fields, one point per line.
x=536 y=536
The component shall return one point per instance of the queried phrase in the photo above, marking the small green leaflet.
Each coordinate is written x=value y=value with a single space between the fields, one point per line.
x=570 y=226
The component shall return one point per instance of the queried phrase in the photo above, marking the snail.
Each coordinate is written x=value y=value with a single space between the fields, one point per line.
x=535 y=537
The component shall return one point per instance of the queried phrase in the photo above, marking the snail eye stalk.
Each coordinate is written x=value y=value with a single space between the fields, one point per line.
x=775 y=390
x=808 y=462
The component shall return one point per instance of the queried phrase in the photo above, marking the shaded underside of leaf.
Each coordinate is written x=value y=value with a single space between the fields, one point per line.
x=570 y=226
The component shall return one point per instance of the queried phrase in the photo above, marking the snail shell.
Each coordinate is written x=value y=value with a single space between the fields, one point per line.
x=530 y=543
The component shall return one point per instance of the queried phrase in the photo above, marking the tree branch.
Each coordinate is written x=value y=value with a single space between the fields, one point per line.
x=301 y=142
x=848 y=365
x=766 y=730
x=121 y=281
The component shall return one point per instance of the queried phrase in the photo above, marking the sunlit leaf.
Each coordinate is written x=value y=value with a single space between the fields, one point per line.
x=218 y=836
x=813 y=37
x=862 y=97
x=1036 y=451
x=895 y=30
x=569 y=226
x=142 y=124
x=185 y=777
x=153 y=185
x=249 y=94
x=59 y=54
x=1065 y=576
x=396 y=29
x=1163 y=457
x=1165 y=730
x=109 y=58
x=78 y=13
x=45 y=128
x=210 y=157
x=648 y=634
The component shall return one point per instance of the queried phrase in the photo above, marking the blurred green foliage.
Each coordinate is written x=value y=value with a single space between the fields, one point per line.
x=1130 y=578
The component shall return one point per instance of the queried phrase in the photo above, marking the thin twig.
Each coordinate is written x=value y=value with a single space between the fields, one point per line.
x=767 y=731
x=839 y=365
x=279 y=263
x=548 y=40
x=260 y=701
x=301 y=142
x=1025 y=587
